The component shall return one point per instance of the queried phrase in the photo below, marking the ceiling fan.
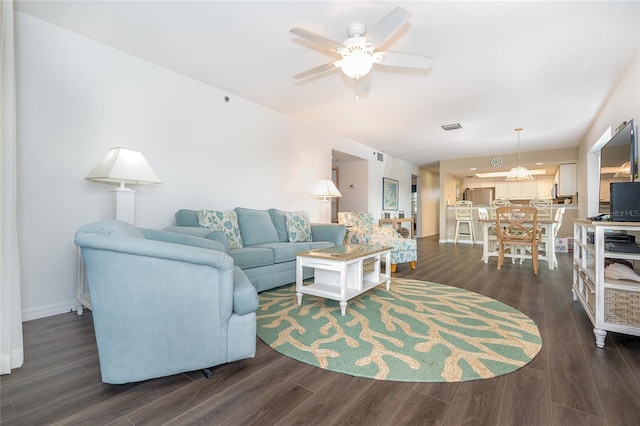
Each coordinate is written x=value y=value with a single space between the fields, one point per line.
x=357 y=53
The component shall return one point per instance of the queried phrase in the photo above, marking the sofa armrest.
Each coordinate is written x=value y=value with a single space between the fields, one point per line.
x=332 y=232
x=156 y=249
x=197 y=231
x=387 y=232
x=358 y=235
x=184 y=239
x=245 y=296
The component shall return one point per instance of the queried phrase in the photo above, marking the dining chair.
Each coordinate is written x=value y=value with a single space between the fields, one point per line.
x=545 y=208
x=464 y=215
x=492 y=238
x=517 y=226
x=495 y=204
x=556 y=227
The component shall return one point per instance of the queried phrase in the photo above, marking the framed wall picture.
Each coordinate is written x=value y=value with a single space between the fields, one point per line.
x=389 y=194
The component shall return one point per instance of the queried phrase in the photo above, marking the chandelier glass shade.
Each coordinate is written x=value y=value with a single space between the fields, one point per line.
x=519 y=173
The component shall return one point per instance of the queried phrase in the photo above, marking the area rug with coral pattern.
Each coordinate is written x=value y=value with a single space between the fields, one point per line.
x=415 y=332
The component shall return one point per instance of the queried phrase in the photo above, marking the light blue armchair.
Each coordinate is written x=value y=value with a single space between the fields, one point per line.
x=164 y=303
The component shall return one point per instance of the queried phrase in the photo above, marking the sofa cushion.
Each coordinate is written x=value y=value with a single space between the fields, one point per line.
x=286 y=252
x=185 y=217
x=225 y=221
x=298 y=226
x=256 y=226
x=279 y=221
x=251 y=257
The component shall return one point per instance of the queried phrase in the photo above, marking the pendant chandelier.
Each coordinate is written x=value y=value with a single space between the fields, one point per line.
x=519 y=173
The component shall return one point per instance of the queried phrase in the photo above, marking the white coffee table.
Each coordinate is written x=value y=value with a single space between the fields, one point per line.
x=343 y=272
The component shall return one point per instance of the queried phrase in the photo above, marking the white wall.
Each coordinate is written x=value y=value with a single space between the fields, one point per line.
x=623 y=105
x=78 y=98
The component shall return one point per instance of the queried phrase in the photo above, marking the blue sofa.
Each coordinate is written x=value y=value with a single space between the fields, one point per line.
x=266 y=256
x=164 y=303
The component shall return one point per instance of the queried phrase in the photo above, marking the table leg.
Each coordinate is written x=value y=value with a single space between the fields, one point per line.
x=299 y=276
x=387 y=268
x=551 y=247
x=485 y=242
x=343 y=288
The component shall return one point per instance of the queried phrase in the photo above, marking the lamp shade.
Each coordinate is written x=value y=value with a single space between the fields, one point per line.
x=123 y=165
x=325 y=189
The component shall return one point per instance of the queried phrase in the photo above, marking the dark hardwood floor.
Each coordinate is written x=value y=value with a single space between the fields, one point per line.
x=571 y=381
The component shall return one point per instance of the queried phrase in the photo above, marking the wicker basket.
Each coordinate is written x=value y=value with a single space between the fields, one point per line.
x=622 y=307
x=590 y=295
x=369 y=265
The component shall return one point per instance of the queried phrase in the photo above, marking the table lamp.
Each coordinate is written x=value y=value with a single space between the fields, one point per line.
x=326 y=190
x=123 y=165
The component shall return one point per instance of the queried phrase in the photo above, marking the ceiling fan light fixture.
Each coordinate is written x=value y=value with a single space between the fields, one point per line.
x=357 y=64
x=357 y=57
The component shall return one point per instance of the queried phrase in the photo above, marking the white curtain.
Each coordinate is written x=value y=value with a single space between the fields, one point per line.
x=11 y=349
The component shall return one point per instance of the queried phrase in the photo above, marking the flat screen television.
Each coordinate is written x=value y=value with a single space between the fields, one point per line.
x=618 y=163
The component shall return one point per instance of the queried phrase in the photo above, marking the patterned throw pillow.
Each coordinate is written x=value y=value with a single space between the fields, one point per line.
x=298 y=226
x=225 y=221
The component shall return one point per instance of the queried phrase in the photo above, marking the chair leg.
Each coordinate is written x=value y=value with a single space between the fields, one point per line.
x=500 y=255
x=412 y=265
x=534 y=258
x=393 y=267
x=455 y=238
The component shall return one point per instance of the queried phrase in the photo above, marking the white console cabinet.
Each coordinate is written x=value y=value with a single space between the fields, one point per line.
x=611 y=305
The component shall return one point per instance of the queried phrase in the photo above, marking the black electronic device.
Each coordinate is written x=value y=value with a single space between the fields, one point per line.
x=625 y=201
x=618 y=162
x=623 y=247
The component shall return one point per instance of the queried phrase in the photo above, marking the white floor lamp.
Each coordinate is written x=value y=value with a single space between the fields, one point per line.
x=123 y=165
x=326 y=190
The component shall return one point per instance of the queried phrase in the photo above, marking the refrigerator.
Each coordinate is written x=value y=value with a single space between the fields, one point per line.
x=479 y=196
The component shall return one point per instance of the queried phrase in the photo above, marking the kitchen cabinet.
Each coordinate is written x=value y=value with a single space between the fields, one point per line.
x=544 y=186
x=610 y=304
x=502 y=191
x=480 y=183
x=521 y=189
x=565 y=178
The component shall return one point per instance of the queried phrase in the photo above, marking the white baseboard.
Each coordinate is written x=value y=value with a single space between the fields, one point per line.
x=49 y=310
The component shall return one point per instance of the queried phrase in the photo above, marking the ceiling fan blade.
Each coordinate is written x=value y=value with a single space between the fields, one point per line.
x=316 y=38
x=406 y=60
x=318 y=70
x=384 y=29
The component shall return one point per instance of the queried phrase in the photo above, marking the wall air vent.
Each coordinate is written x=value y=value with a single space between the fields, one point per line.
x=380 y=157
x=453 y=126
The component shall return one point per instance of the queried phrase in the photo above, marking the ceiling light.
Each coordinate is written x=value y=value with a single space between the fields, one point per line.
x=533 y=172
x=453 y=126
x=357 y=58
x=519 y=173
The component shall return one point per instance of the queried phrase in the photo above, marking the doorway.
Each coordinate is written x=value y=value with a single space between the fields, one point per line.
x=352 y=180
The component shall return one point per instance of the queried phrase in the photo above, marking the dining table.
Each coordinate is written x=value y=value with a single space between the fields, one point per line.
x=548 y=235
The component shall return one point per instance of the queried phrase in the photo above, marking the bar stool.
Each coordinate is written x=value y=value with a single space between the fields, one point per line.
x=464 y=214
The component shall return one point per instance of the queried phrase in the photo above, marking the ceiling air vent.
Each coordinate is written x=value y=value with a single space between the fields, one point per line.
x=453 y=126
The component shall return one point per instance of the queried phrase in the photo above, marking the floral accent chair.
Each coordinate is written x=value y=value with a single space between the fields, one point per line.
x=362 y=229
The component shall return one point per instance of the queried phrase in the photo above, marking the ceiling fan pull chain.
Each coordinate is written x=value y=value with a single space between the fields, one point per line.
x=356 y=94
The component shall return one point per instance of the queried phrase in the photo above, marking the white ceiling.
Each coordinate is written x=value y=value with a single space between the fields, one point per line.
x=545 y=66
